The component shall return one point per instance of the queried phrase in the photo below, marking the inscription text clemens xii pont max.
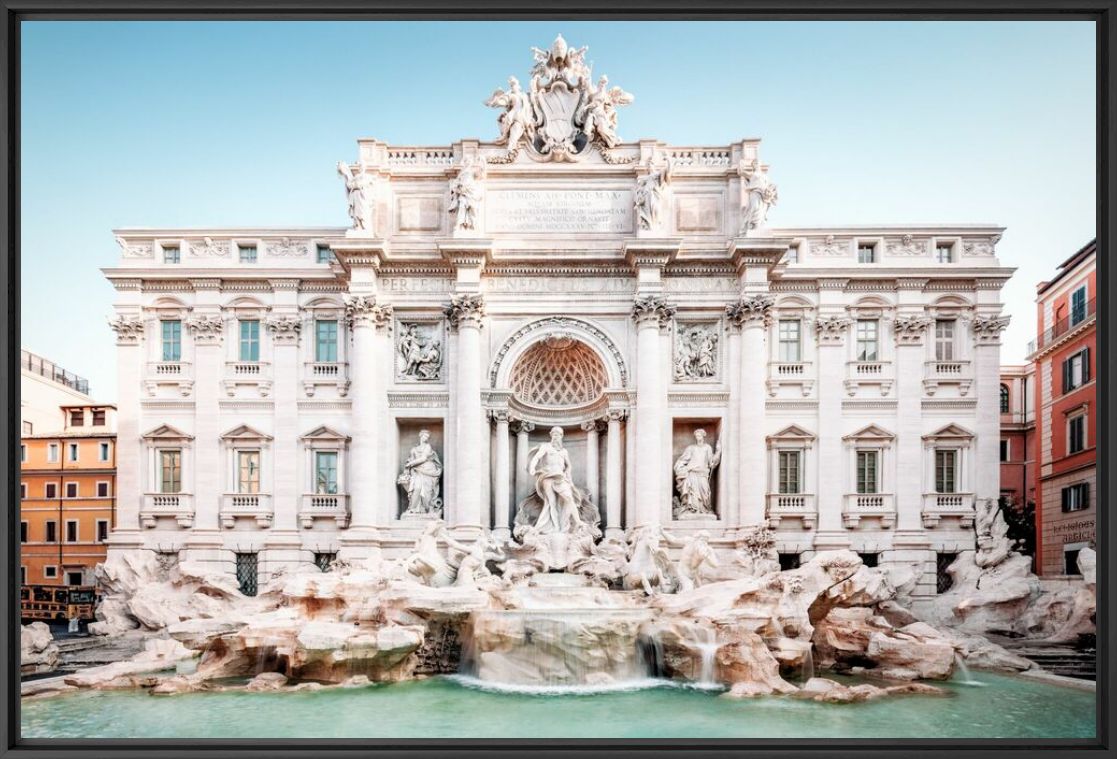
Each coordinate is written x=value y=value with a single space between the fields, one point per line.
x=571 y=211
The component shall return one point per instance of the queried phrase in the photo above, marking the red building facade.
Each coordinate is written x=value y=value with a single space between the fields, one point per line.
x=1019 y=468
x=1064 y=357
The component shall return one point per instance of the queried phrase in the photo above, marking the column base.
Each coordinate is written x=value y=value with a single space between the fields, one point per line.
x=206 y=547
x=467 y=531
x=123 y=541
x=830 y=541
x=359 y=544
x=283 y=550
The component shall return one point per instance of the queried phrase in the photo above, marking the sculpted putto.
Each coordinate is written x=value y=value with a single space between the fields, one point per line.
x=692 y=478
x=420 y=479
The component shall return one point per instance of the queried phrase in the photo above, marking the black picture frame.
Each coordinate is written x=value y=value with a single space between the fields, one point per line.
x=1102 y=12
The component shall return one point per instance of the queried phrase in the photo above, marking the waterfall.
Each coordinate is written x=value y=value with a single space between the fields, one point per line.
x=707 y=645
x=807 y=671
x=964 y=671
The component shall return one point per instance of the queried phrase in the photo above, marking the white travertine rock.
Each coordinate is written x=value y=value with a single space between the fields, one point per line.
x=37 y=650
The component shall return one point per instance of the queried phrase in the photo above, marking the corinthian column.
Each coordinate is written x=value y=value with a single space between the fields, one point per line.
x=365 y=318
x=130 y=456
x=592 y=475
x=502 y=475
x=751 y=314
x=613 y=474
x=651 y=313
x=523 y=486
x=464 y=314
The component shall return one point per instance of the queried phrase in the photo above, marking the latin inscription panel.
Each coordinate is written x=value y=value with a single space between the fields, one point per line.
x=559 y=211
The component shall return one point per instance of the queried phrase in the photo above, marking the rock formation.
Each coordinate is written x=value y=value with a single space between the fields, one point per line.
x=37 y=650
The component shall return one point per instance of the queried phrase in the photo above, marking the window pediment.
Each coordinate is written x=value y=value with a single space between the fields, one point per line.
x=245 y=434
x=325 y=434
x=791 y=436
x=871 y=435
x=166 y=433
x=951 y=434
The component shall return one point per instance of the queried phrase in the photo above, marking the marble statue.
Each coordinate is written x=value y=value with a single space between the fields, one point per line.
x=696 y=556
x=550 y=466
x=757 y=553
x=692 y=478
x=758 y=195
x=696 y=353
x=426 y=562
x=420 y=479
x=465 y=193
x=649 y=568
x=649 y=195
x=560 y=62
x=993 y=544
x=518 y=118
x=358 y=188
x=598 y=115
x=420 y=353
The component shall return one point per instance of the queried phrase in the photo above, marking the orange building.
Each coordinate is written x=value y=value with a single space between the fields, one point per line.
x=68 y=497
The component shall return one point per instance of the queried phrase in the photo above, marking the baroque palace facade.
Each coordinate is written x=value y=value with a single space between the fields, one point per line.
x=290 y=395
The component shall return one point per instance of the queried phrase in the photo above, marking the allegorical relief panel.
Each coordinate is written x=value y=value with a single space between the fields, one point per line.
x=420 y=350
x=696 y=351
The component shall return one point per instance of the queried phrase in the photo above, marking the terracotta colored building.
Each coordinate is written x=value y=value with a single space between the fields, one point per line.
x=68 y=496
x=1064 y=355
x=1018 y=435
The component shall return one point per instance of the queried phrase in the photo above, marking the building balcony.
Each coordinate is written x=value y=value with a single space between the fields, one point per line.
x=857 y=506
x=869 y=373
x=937 y=506
x=247 y=374
x=324 y=506
x=799 y=506
x=1079 y=317
x=790 y=373
x=939 y=373
x=247 y=506
x=178 y=375
x=318 y=373
x=179 y=506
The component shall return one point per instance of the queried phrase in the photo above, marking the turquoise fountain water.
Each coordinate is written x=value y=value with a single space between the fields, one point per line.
x=445 y=707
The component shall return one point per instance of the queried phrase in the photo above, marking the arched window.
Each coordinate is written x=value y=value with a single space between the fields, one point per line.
x=1004 y=399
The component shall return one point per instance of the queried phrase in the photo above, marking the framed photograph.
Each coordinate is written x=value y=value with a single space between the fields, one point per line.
x=449 y=382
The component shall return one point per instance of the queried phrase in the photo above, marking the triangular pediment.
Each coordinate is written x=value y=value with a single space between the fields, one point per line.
x=792 y=432
x=950 y=431
x=244 y=432
x=166 y=432
x=872 y=432
x=324 y=433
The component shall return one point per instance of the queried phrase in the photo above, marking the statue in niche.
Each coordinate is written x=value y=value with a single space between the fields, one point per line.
x=692 y=478
x=649 y=195
x=759 y=195
x=465 y=193
x=557 y=505
x=518 y=118
x=358 y=188
x=696 y=353
x=420 y=353
x=420 y=480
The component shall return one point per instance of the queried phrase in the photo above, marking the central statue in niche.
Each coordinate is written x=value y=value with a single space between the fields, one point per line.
x=557 y=505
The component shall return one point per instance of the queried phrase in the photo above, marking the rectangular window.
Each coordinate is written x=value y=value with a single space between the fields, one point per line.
x=170 y=471
x=1076 y=434
x=52 y=452
x=249 y=340
x=866 y=253
x=50 y=573
x=50 y=490
x=325 y=341
x=792 y=255
x=1076 y=497
x=247 y=254
x=1076 y=370
x=23 y=575
x=1004 y=450
x=71 y=490
x=248 y=471
x=868 y=471
x=71 y=531
x=73 y=451
x=102 y=490
x=23 y=454
x=104 y=452
x=1078 y=305
x=246 y=573
x=946 y=471
x=790 y=469
x=944 y=340
x=868 y=340
x=1070 y=561
x=790 y=335
x=944 y=253
x=98 y=417
x=171 y=339
x=869 y=559
x=325 y=472
x=325 y=255
x=23 y=532
x=23 y=491
x=788 y=561
x=74 y=578
x=77 y=418
x=171 y=254
x=102 y=530
x=51 y=534
x=943 y=580
x=324 y=560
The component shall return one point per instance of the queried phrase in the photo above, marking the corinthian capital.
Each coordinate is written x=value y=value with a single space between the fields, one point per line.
x=652 y=309
x=284 y=329
x=364 y=311
x=465 y=310
x=830 y=330
x=987 y=329
x=909 y=330
x=750 y=311
x=206 y=328
x=128 y=329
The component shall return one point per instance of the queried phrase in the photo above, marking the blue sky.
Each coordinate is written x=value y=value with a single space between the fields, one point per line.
x=241 y=124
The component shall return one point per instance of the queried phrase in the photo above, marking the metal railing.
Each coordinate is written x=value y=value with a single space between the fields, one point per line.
x=52 y=371
x=1062 y=326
